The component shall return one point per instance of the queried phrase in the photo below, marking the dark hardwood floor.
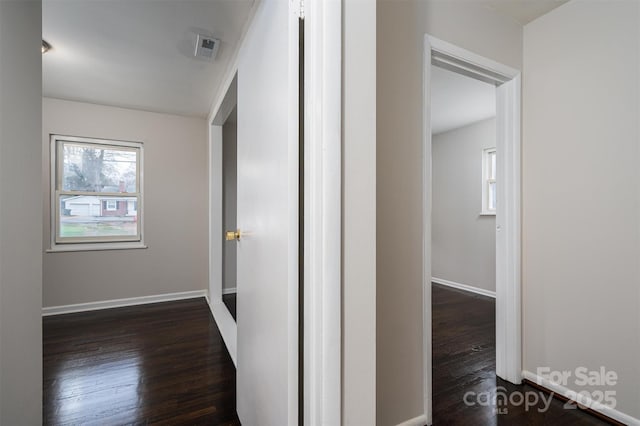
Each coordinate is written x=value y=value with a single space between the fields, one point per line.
x=166 y=363
x=230 y=301
x=464 y=361
x=162 y=363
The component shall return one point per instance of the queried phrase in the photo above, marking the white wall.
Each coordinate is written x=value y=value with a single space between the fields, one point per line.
x=401 y=29
x=463 y=243
x=358 y=213
x=20 y=214
x=229 y=194
x=581 y=192
x=175 y=202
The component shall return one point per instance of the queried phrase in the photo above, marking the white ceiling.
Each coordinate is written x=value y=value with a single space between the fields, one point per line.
x=139 y=53
x=457 y=100
x=524 y=11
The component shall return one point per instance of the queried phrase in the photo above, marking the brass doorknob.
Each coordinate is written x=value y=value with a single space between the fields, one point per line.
x=233 y=235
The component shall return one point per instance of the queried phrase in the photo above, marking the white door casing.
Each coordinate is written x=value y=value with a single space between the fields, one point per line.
x=267 y=295
x=508 y=234
x=323 y=213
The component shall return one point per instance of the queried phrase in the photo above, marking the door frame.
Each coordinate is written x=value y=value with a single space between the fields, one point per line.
x=322 y=342
x=226 y=324
x=508 y=213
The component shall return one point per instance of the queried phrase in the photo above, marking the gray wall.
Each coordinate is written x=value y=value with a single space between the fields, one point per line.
x=463 y=243
x=229 y=195
x=358 y=213
x=581 y=192
x=175 y=202
x=20 y=214
x=401 y=29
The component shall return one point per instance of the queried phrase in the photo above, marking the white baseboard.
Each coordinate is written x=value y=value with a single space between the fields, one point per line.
x=464 y=287
x=581 y=399
x=229 y=290
x=416 y=421
x=117 y=303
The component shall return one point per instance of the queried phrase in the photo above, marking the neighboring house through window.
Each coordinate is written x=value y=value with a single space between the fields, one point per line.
x=489 y=199
x=96 y=192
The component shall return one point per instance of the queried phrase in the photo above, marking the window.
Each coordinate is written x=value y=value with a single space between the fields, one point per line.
x=96 y=194
x=489 y=181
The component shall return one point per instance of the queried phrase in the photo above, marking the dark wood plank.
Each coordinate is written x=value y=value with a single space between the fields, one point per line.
x=166 y=363
x=464 y=361
x=162 y=363
x=230 y=302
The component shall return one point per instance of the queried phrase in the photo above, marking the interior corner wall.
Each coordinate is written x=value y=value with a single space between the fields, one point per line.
x=20 y=213
x=401 y=26
x=229 y=195
x=175 y=208
x=463 y=242
x=581 y=193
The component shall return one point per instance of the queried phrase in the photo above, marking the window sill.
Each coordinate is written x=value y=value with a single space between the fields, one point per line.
x=487 y=213
x=96 y=247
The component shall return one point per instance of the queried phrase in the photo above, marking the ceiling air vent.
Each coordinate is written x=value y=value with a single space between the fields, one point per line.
x=206 y=47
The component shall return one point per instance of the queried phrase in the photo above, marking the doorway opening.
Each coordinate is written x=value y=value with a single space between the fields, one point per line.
x=230 y=211
x=223 y=137
x=463 y=242
x=497 y=194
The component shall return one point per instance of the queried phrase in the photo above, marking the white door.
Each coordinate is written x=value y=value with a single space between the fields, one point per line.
x=267 y=216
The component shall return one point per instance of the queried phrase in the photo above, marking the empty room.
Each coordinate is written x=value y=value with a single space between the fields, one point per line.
x=127 y=329
x=150 y=117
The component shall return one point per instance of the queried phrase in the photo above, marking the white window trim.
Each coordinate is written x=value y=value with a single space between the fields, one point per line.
x=99 y=243
x=114 y=208
x=486 y=181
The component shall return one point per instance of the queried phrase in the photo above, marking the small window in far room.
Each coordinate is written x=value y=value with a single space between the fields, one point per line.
x=489 y=181
x=96 y=194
